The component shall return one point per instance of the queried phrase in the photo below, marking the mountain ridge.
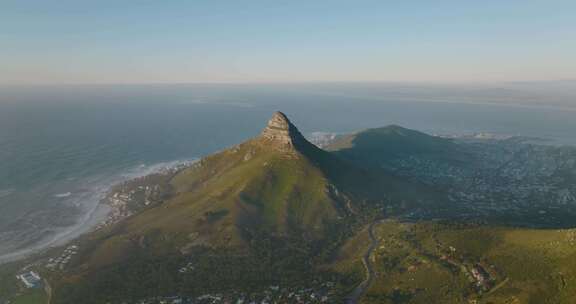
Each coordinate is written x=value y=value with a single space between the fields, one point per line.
x=380 y=146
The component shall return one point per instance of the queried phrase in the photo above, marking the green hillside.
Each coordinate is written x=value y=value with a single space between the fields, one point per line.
x=435 y=263
x=274 y=205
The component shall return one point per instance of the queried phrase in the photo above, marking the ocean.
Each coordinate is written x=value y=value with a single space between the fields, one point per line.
x=62 y=147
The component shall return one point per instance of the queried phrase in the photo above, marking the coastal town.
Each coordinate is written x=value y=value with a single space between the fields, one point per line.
x=320 y=293
x=139 y=193
x=124 y=199
x=499 y=176
x=60 y=262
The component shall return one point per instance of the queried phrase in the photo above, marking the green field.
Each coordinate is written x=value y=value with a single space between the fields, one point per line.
x=35 y=296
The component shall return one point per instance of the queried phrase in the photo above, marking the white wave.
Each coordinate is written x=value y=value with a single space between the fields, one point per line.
x=93 y=212
x=144 y=169
x=63 y=195
x=6 y=192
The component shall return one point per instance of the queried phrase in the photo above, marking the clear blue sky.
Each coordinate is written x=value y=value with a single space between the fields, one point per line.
x=122 y=41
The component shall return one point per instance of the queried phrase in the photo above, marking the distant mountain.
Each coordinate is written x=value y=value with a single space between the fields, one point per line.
x=384 y=145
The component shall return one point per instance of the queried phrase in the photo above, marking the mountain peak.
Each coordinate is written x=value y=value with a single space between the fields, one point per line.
x=279 y=121
x=281 y=133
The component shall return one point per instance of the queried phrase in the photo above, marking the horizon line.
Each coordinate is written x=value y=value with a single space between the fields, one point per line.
x=420 y=82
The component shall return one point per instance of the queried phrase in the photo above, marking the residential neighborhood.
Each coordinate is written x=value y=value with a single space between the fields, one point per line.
x=534 y=181
x=274 y=294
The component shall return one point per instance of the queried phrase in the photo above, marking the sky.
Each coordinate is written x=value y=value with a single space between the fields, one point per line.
x=172 y=41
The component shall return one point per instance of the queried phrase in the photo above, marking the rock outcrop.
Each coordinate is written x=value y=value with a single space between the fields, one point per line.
x=280 y=133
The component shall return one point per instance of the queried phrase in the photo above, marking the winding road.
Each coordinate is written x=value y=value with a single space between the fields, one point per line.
x=360 y=290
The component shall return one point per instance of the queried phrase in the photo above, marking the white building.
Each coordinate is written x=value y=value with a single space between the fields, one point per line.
x=30 y=279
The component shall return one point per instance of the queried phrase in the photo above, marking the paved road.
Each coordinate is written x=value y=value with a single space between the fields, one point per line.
x=359 y=291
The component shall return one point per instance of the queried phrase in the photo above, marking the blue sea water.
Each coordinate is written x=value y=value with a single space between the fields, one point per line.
x=62 y=147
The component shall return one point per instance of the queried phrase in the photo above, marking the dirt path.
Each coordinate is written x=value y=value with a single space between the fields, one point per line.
x=48 y=290
x=360 y=290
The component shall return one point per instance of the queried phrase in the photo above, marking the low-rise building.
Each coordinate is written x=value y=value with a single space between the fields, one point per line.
x=30 y=279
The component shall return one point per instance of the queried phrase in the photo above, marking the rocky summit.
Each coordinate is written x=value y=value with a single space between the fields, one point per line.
x=282 y=134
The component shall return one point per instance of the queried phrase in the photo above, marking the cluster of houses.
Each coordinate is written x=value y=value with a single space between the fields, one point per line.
x=481 y=276
x=130 y=196
x=62 y=261
x=501 y=176
x=274 y=294
x=127 y=198
x=118 y=202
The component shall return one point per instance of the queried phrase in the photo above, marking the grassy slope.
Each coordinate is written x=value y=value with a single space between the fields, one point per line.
x=239 y=203
x=348 y=259
x=33 y=296
x=541 y=265
x=224 y=194
x=530 y=266
x=248 y=187
x=8 y=281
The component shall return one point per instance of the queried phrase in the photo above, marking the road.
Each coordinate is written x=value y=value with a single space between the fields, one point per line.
x=48 y=290
x=360 y=290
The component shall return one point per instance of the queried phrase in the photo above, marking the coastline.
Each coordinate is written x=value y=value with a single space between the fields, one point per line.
x=88 y=222
x=100 y=214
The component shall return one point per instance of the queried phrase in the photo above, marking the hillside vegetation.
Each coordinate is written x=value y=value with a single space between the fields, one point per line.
x=435 y=263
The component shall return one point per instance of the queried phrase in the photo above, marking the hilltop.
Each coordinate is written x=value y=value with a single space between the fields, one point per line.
x=382 y=146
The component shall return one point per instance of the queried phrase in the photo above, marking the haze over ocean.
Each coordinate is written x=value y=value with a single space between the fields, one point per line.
x=62 y=147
